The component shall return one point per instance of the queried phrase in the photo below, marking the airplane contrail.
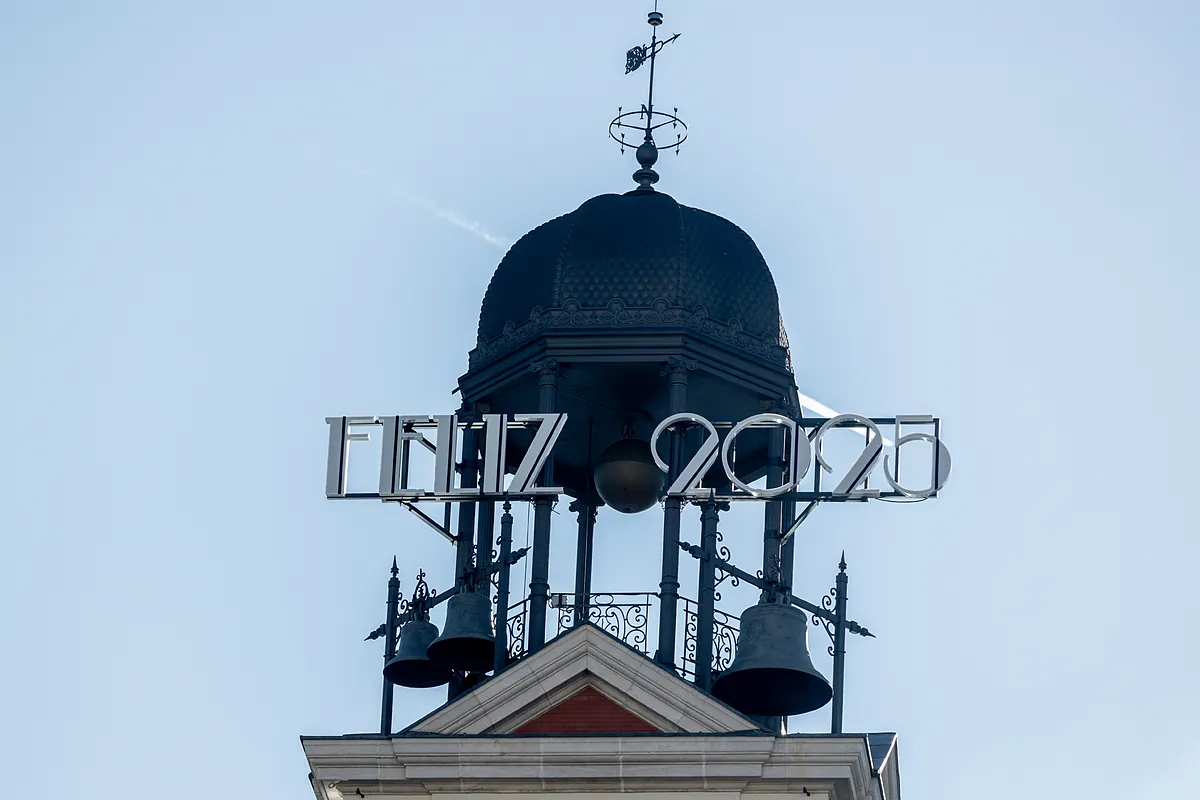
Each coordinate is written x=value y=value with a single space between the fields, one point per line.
x=816 y=406
x=446 y=214
x=820 y=409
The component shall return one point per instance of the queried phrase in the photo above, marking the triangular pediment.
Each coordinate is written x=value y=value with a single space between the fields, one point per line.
x=584 y=672
x=588 y=710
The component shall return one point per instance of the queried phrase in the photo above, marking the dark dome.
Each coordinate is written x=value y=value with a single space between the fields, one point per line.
x=640 y=250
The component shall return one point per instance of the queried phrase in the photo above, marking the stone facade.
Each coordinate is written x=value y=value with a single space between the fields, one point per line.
x=493 y=742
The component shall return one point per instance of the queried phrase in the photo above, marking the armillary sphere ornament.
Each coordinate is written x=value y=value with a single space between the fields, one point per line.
x=645 y=122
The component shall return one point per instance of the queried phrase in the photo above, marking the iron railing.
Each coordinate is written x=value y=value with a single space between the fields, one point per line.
x=628 y=616
x=726 y=629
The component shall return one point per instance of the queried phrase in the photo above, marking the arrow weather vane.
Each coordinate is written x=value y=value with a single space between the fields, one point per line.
x=648 y=120
x=638 y=55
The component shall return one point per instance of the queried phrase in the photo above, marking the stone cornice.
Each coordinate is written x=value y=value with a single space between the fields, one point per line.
x=837 y=767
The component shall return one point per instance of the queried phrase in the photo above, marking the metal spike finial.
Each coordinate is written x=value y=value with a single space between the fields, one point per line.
x=842 y=563
x=648 y=120
x=395 y=568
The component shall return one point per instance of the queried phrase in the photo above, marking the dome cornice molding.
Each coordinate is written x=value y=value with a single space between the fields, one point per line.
x=617 y=315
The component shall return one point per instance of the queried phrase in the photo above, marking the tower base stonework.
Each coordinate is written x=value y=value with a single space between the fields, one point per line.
x=643 y=732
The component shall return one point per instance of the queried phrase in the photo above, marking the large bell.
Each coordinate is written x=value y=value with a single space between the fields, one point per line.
x=467 y=642
x=772 y=674
x=411 y=666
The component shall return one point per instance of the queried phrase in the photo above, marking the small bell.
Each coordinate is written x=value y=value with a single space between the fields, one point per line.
x=411 y=666
x=467 y=642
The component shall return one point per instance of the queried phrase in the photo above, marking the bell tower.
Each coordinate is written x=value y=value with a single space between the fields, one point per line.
x=631 y=357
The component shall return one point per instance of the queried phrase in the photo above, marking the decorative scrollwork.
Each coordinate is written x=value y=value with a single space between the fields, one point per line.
x=725 y=636
x=626 y=619
x=734 y=580
x=828 y=603
x=421 y=598
x=691 y=626
x=516 y=631
x=726 y=629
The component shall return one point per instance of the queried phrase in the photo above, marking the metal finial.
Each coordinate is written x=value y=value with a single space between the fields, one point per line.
x=395 y=569
x=842 y=564
x=647 y=119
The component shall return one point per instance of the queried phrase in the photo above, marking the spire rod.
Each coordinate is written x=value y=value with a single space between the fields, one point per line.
x=648 y=120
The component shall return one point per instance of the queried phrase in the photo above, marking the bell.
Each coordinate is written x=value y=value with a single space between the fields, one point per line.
x=772 y=674
x=467 y=642
x=411 y=666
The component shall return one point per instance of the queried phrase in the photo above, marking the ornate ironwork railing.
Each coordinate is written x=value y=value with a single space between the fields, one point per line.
x=518 y=639
x=726 y=629
x=628 y=616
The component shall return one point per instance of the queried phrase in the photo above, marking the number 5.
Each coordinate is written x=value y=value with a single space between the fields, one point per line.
x=941 y=458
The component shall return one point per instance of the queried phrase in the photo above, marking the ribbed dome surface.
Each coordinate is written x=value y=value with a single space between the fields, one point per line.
x=640 y=248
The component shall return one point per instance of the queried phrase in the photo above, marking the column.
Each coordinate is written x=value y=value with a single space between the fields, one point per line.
x=676 y=372
x=539 y=579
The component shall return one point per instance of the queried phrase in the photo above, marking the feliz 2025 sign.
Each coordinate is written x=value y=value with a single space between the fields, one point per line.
x=803 y=447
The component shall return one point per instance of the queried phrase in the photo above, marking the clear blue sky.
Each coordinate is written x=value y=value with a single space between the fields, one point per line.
x=221 y=222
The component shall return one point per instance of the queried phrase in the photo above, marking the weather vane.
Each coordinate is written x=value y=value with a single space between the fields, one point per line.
x=646 y=120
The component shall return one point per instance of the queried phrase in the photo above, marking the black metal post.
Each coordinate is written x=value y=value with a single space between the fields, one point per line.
x=587 y=567
x=469 y=472
x=483 y=543
x=772 y=567
x=787 y=556
x=668 y=587
x=839 y=646
x=389 y=647
x=506 y=523
x=706 y=592
x=586 y=515
x=773 y=516
x=539 y=579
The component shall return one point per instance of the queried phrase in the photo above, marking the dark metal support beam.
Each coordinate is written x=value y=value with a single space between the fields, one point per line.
x=389 y=647
x=772 y=566
x=839 y=646
x=586 y=518
x=543 y=506
x=787 y=555
x=502 y=588
x=484 y=537
x=706 y=592
x=464 y=544
x=469 y=472
x=773 y=514
x=668 y=587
